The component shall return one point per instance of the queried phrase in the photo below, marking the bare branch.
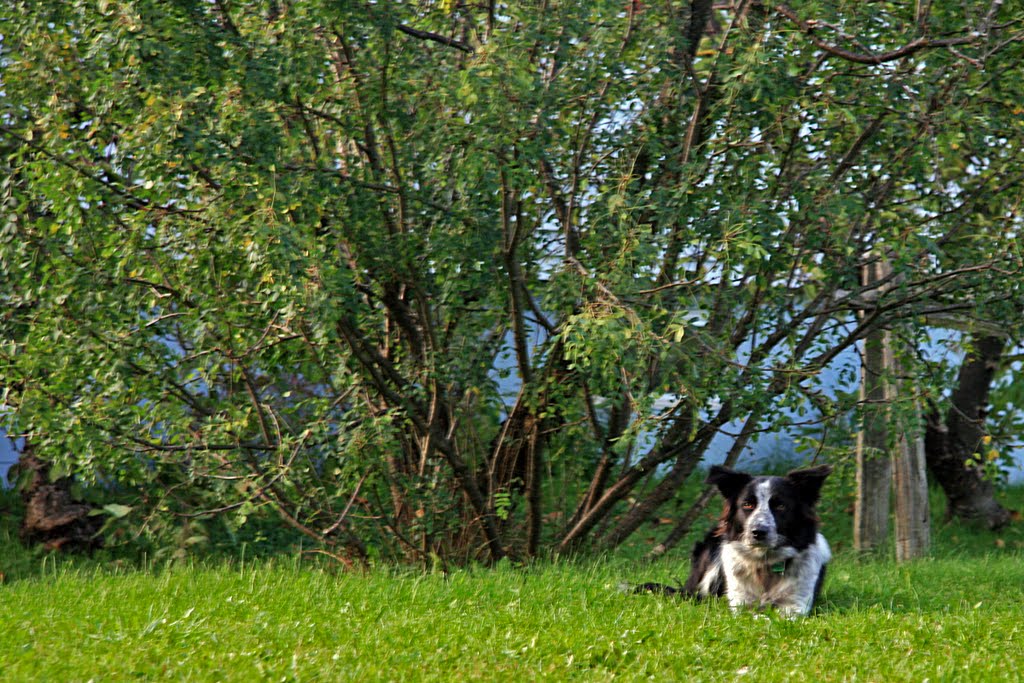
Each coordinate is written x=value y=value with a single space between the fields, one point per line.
x=809 y=26
x=435 y=37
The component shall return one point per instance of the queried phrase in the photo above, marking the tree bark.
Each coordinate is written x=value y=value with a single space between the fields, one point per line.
x=950 y=444
x=910 y=484
x=890 y=451
x=53 y=517
x=874 y=468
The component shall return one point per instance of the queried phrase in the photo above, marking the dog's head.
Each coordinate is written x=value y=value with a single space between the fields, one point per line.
x=769 y=514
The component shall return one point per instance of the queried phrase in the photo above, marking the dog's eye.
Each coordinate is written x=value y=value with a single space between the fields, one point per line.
x=748 y=506
x=778 y=507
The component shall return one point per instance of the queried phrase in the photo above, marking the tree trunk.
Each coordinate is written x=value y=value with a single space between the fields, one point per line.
x=910 y=483
x=53 y=516
x=950 y=444
x=890 y=452
x=874 y=469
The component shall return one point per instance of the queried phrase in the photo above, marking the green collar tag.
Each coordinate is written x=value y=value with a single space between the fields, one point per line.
x=778 y=568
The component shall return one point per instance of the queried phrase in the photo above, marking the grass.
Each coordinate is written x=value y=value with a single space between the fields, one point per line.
x=954 y=617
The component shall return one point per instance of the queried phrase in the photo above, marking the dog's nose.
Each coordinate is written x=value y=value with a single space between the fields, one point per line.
x=759 y=533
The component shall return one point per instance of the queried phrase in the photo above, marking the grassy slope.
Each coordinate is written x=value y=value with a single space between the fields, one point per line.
x=955 y=617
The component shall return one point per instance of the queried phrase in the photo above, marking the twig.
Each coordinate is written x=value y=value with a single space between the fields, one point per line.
x=809 y=26
x=435 y=37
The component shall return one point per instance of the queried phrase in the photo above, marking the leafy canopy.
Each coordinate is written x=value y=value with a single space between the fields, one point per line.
x=452 y=280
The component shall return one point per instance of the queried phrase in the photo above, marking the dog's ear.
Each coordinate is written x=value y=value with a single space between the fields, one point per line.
x=728 y=481
x=808 y=481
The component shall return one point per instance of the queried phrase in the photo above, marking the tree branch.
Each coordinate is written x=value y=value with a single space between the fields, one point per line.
x=435 y=37
x=808 y=27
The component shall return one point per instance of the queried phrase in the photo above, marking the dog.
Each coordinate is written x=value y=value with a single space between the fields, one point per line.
x=766 y=549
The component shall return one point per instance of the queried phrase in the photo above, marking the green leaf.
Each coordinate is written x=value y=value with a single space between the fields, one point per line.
x=117 y=510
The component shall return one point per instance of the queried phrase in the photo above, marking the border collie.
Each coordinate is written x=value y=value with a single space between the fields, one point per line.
x=765 y=549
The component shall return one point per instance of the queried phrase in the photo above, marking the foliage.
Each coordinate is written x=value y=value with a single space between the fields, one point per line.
x=270 y=257
x=1005 y=421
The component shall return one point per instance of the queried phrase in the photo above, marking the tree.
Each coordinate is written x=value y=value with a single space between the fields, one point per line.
x=273 y=257
x=890 y=447
x=955 y=443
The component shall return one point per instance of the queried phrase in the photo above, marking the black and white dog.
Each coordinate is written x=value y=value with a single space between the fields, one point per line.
x=765 y=549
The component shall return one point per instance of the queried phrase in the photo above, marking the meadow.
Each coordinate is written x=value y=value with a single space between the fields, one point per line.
x=953 y=617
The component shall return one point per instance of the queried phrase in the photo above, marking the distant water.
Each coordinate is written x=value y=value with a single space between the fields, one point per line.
x=8 y=456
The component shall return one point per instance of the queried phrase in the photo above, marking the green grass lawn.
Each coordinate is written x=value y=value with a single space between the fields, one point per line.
x=955 y=617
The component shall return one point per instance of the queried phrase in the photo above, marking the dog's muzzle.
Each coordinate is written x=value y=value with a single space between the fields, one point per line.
x=761 y=536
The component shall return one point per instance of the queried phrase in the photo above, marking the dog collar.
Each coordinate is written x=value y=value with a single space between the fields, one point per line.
x=779 y=568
